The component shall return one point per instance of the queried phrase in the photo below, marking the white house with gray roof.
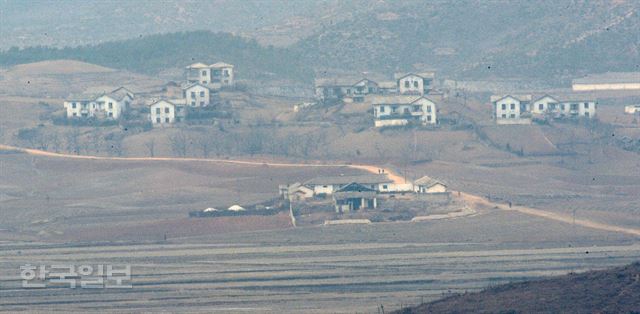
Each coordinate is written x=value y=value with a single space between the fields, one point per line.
x=111 y=105
x=403 y=109
x=215 y=75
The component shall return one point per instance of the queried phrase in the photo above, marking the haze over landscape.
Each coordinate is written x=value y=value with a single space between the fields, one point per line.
x=321 y=156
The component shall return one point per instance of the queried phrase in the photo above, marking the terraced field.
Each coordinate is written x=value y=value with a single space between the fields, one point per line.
x=326 y=269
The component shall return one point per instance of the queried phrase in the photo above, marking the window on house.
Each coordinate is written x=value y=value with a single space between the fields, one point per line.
x=541 y=106
x=204 y=73
x=157 y=110
x=428 y=108
x=73 y=105
x=384 y=186
x=158 y=120
x=204 y=82
x=586 y=105
x=193 y=103
x=110 y=105
x=429 y=118
x=415 y=84
x=586 y=114
x=202 y=94
x=110 y=114
x=512 y=116
x=226 y=72
x=574 y=106
x=166 y=110
x=193 y=94
x=381 y=108
x=407 y=84
x=562 y=106
x=166 y=120
x=75 y=114
x=202 y=103
x=504 y=116
x=504 y=106
x=406 y=110
x=417 y=108
x=513 y=106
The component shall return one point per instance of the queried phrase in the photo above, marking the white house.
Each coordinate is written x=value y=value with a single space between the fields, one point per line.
x=511 y=109
x=197 y=95
x=414 y=83
x=573 y=108
x=80 y=106
x=402 y=110
x=216 y=75
x=106 y=105
x=327 y=185
x=541 y=104
x=222 y=73
x=347 y=89
x=165 y=112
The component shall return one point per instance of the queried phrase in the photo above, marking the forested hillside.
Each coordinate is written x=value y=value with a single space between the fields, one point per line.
x=154 y=53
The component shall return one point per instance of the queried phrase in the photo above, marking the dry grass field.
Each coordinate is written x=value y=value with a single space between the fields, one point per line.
x=326 y=269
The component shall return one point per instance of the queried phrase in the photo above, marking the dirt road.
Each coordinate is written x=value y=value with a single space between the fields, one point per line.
x=469 y=198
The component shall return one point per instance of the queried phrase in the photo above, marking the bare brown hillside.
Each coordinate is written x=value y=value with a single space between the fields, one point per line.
x=614 y=290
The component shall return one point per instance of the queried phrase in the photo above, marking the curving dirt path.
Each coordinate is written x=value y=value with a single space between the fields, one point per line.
x=473 y=200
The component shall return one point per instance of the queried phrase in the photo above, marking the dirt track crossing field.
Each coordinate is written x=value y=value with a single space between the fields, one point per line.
x=370 y=168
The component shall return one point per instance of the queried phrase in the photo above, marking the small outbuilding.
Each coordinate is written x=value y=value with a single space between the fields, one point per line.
x=429 y=185
x=236 y=208
x=354 y=196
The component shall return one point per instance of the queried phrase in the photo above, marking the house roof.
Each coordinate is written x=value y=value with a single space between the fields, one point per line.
x=427 y=181
x=83 y=97
x=221 y=65
x=364 y=179
x=543 y=96
x=520 y=98
x=424 y=75
x=397 y=99
x=162 y=100
x=609 y=78
x=120 y=93
x=188 y=86
x=355 y=187
x=197 y=66
x=337 y=81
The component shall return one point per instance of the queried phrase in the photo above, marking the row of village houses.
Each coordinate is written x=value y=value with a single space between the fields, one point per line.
x=407 y=100
x=202 y=82
x=357 y=88
x=351 y=193
x=521 y=109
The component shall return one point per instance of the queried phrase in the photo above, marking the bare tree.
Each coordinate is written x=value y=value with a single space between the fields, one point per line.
x=205 y=143
x=178 y=144
x=73 y=141
x=151 y=147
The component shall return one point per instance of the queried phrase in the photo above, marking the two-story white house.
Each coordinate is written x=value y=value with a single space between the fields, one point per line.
x=165 y=112
x=573 y=108
x=414 y=83
x=510 y=109
x=540 y=105
x=197 y=95
x=106 y=105
x=216 y=75
x=222 y=73
x=347 y=89
x=403 y=109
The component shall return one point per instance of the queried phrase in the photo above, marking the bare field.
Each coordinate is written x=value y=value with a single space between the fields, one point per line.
x=329 y=269
x=51 y=195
